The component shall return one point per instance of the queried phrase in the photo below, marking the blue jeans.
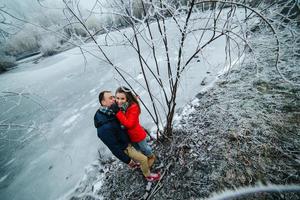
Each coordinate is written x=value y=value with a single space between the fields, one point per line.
x=144 y=147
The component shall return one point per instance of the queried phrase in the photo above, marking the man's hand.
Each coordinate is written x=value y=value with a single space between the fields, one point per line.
x=132 y=164
x=115 y=108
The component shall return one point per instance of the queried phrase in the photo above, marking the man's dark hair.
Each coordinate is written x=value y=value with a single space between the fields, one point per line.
x=101 y=95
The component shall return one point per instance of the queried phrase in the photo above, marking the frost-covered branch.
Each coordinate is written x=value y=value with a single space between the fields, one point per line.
x=250 y=190
x=268 y=23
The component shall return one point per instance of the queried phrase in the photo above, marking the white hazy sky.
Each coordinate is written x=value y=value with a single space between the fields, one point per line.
x=25 y=7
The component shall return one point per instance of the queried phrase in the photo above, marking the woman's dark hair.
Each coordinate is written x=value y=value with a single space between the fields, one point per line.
x=129 y=96
x=101 y=96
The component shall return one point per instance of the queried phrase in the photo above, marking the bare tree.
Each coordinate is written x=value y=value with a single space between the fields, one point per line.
x=234 y=21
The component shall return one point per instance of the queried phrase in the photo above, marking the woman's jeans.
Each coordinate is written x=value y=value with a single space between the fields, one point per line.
x=144 y=147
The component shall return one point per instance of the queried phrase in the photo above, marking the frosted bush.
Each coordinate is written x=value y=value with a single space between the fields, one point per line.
x=75 y=29
x=120 y=21
x=49 y=44
x=48 y=18
x=6 y=62
x=26 y=40
x=94 y=24
x=109 y=21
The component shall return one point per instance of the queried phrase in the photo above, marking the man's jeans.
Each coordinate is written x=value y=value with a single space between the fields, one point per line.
x=138 y=157
x=144 y=147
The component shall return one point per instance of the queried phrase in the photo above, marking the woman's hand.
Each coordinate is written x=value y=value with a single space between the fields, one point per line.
x=115 y=108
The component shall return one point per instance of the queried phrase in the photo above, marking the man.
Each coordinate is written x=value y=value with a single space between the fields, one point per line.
x=116 y=139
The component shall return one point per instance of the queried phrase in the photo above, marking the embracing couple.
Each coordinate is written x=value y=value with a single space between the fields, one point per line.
x=117 y=123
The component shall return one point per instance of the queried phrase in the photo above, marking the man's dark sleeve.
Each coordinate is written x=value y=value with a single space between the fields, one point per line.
x=111 y=142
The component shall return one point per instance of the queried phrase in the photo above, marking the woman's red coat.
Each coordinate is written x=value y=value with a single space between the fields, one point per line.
x=130 y=120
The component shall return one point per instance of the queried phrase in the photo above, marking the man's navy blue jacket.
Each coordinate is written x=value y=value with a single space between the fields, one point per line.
x=112 y=135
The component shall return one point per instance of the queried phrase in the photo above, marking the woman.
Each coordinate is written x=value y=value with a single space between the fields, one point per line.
x=127 y=113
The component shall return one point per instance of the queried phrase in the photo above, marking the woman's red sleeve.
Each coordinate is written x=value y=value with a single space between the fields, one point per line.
x=131 y=118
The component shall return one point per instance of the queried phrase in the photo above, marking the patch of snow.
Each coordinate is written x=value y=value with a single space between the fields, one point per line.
x=68 y=130
x=88 y=105
x=93 y=91
x=90 y=183
x=71 y=120
x=229 y=66
x=97 y=186
x=95 y=105
x=195 y=102
x=3 y=178
x=140 y=76
x=187 y=110
x=9 y=162
x=184 y=114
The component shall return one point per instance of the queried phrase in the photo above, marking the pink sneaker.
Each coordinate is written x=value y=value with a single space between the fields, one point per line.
x=153 y=177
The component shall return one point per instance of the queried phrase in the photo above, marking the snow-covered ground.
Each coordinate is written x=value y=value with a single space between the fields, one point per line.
x=52 y=103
